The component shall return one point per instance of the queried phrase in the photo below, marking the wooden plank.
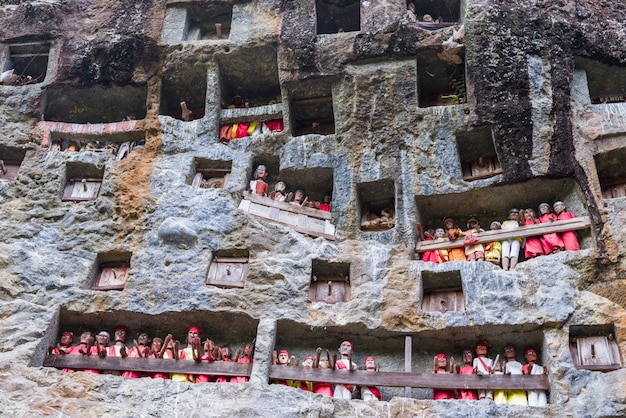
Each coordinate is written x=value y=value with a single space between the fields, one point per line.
x=286 y=206
x=414 y=380
x=574 y=224
x=148 y=365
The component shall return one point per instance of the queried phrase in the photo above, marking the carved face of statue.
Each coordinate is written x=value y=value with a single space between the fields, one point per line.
x=191 y=336
x=120 y=335
x=467 y=357
x=66 y=339
x=86 y=337
x=440 y=233
x=513 y=215
x=156 y=346
x=283 y=357
x=442 y=362
x=324 y=364
x=544 y=208
x=143 y=339
x=227 y=352
x=481 y=350
x=247 y=350
x=530 y=214
x=530 y=356
x=307 y=362
x=298 y=196
x=260 y=172
x=103 y=339
x=559 y=207
x=345 y=349
x=509 y=352
x=370 y=363
x=449 y=223
x=495 y=225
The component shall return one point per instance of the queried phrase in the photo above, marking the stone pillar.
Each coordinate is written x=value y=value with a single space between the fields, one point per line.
x=265 y=340
x=175 y=25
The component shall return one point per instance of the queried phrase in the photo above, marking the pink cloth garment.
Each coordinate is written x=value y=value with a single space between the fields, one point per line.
x=467 y=395
x=570 y=240
x=241 y=379
x=533 y=246
x=550 y=242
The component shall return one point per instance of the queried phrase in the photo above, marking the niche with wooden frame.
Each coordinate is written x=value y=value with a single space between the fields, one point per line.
x=211 y=174
x=594 y=347
x=612 y=173
x=443 y=13
x=337 y=16
x=477 y=154
x=330 y=282
x=112 y=271
x=10 y=161
x=377 y=203
x=228 y=269
x=82 y=183
x=442 y=291
x=29 y=61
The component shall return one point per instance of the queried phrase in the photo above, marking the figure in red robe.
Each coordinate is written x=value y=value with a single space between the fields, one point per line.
x=570 y=240
x=532 y=247
x=551 y=243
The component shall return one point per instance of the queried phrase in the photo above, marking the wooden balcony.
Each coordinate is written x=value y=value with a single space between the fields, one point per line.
x=574 y=224
x=303 y=219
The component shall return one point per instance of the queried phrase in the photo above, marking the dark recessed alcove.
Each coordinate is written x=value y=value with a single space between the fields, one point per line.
x=442 y=291
x=272 y=165
x=607 y=83
x=10 y=161
x=477 y=154
x=311 y=107
x=185 y=83
x=493 y=203
x=314 y=182
x=334 y=16
x=330 y=282
x=612 y=173
x=438 y=82
x=29 y=60
x=82 y=181
x=447 y=11
x=236 y=70
x=210 y=174
x=110 y=271
x=95 y=104
x=594 y=347
x=209 y=20
x=377 y=208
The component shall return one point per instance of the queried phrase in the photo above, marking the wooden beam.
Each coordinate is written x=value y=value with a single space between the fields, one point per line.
x=414 y=380
x=574 y=224
x=312 y=101
x=148 y=365
x=266 y=201
x=408 y=350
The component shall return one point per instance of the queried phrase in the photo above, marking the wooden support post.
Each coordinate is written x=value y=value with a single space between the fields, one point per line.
x=408 y=349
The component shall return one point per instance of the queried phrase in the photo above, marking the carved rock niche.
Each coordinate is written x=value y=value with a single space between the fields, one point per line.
x=83 y=182
x=477 y=154
x=311 y=108
x=444 y=12
x=612 y=173
x=606 y=83
x=440 y=83
x=228 y=269
x=210 y=174
x=442 y=291
x=10 y=161
x=112 y=271
x=336 y=16
x=183 y=92
x=594 y=347
x=330 y=282
x=377 y=203
x=29 y=61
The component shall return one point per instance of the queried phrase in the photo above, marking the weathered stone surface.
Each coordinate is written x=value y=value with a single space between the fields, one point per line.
x=522 y=83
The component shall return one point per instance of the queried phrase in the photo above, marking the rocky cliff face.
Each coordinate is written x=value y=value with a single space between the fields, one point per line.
x=404 y=105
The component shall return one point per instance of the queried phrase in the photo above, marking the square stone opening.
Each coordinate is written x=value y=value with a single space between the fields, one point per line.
x=612 y=173
x=443 y=12
x=209 y=21
x=210 y=174
x=377 y=204
x=28 y=60
x=493 y=203
x=95 y=104
x=314 y=182
x=439 y=83
x=183 y=92
x=228 y=268
x=272 y=165
x=330 y=282
x=607 y=83
x=235 y=71
x=336 y=16
x=111 y=271
x=442 y=291
x=478 y=154
x=11 y=159
x=311 y=108
x=594 y=347
x=217 y=326
x=82 y=182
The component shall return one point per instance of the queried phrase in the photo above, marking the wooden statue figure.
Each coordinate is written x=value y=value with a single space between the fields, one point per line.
x=493 y=249
x=258 y=185
x=483 y=366
x=551 y=243
x=513 y=367
x=344 y=363
x=453 y=232
x=468 y=368
x=473 y=251
x=139 y=349
x=323 y=388
x=535 y=397
x=511 y=247
x=570 y=240
x=441 y=367
x=191 y=352
x=532 y=247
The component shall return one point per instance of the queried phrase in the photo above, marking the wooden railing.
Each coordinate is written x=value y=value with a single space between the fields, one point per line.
x=573 y=224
